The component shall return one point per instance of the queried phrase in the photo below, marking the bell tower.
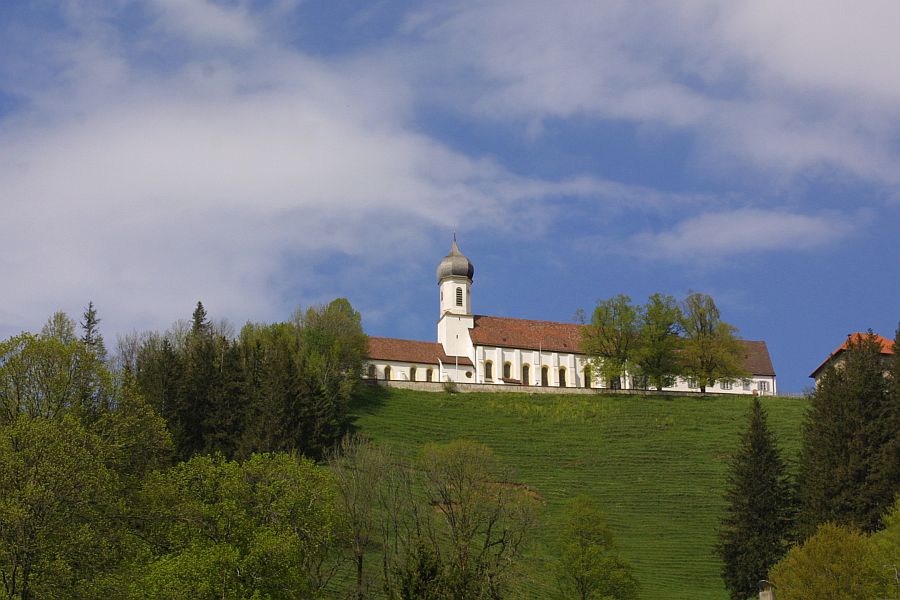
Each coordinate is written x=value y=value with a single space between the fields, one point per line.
x=454 y=276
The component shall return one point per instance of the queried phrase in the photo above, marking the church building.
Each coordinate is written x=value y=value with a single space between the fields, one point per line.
x=481 y=349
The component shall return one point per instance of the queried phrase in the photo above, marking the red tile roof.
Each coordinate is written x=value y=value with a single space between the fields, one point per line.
x=551 y=336
x=887 y=348
x=506 y=332
x=411 y=351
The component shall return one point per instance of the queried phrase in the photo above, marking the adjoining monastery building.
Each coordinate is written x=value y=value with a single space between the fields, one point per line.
x=474 y=348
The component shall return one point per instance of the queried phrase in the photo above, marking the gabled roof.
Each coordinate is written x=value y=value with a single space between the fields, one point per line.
x=756 y=358
x=886 y=347
x=411 y=351
x=505 y=332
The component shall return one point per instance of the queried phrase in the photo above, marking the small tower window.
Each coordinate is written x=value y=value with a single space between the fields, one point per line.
x=562 y=377
x=459 y=296
x=488 y=371
x=412 y=373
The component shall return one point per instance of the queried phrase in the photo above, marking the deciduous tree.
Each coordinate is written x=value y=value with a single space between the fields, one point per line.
x=656 y=355
x=55 y=498
x=710 y=351
x=611 y=338
x=587 y=564
x=835 y=563
x=486 y=520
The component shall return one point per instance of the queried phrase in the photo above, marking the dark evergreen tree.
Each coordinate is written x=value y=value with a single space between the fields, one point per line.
x=199 y=323
x=758 y=521
x=91 y=336
x=224 y=419
x=848 y=470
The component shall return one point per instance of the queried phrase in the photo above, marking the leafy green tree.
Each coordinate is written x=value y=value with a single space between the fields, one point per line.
x=486 y=521
x=834 y=564
x=611 y=338
x=56 y=495
x=710 y=350
x=59 y=327
x=846 y=474
x=758 y=521
x=264 y=528
x=42 y=376
x=587 y=565
x=91 y=336
x=656 y=355
x=359 y=466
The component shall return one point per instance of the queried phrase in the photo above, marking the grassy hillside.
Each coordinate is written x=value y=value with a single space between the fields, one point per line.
x=657 y=465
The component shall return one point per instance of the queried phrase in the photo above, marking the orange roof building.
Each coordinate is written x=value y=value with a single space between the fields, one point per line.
x=885 y=345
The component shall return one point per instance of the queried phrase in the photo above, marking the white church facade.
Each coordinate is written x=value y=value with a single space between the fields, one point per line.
x=481 y=349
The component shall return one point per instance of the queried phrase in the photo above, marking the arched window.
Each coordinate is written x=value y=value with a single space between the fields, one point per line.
x=429 y=375
x=387 y=373
x=507 y=370
x=412 y=373
x=373 y=372
x=587 y=376
x=562 y=377
x=545 y=375
x=526 y=375
x=488 y=370
x=459 y=296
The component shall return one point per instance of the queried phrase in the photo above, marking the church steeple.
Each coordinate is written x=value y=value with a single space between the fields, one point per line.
x=455 y=264
x=454 y=275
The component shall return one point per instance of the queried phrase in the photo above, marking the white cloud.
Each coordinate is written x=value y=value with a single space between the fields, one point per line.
x=786 y=88
x=713 y=237
x=207 y=22
x=148 y=189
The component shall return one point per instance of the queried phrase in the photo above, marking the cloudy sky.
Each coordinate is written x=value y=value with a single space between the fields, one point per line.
x=259 y=155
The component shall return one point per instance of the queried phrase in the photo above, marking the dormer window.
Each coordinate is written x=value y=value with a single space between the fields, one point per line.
x=459 y=296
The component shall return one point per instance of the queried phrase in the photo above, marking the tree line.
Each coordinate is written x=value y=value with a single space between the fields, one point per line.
x=196 y=464
x=833 y=531
x=662 y=340
x=282 y=386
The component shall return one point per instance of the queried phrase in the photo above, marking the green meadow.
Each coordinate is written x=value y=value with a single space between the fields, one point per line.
x=656 y=464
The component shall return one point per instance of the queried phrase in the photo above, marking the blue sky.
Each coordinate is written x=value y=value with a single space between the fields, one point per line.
x=260 y=155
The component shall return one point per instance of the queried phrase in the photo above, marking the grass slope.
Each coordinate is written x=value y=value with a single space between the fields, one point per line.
x=657 y=465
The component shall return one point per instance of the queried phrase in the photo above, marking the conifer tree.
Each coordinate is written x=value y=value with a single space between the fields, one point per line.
x=759 y=516
x=91 y=336
x=199 y=322
x=848 y=470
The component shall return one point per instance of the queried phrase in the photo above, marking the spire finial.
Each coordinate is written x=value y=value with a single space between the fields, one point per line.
x=454 y=236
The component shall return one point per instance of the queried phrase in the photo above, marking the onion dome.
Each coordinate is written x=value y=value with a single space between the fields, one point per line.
x=455 y=264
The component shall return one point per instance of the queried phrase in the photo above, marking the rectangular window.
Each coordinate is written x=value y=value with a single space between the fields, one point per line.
x=726 y=385
x=692 y=383
x=763 y=386
x=746 y=385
